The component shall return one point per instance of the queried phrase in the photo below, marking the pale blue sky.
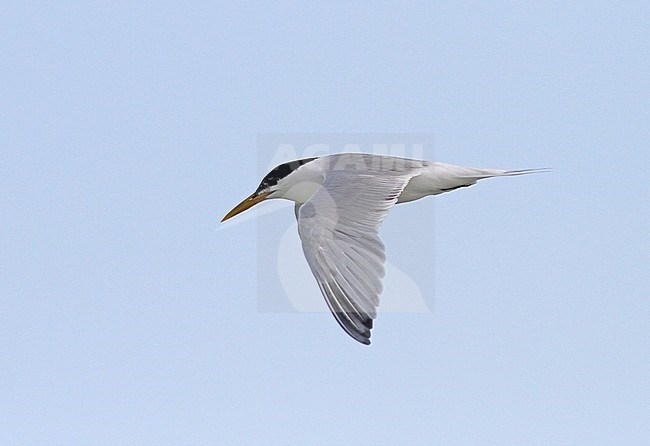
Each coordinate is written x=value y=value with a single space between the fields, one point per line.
x=127 y=316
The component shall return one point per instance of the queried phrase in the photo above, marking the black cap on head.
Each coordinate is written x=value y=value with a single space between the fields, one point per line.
x=281 y=171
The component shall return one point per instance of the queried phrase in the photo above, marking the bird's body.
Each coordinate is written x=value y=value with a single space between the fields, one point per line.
x=340 y=202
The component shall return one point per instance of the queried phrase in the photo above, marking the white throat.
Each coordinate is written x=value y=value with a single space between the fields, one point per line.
x=300 y=184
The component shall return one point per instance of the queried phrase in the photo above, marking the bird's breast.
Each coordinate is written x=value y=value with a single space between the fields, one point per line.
x=301 y=192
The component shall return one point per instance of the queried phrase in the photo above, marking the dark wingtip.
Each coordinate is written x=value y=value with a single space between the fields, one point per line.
x=361 y=337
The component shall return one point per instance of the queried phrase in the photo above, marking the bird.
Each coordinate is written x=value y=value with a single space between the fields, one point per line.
x=340 y=202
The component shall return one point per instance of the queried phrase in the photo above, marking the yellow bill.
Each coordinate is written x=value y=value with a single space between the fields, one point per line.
x=247 y=203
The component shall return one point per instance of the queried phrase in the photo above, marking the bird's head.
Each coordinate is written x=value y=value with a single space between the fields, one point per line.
x=270 y=186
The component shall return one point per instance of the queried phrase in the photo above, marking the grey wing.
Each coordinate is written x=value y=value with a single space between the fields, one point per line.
x=339 y=227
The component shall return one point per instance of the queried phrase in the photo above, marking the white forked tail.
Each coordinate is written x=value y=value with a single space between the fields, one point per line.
x=489 y=173
x=443 y=177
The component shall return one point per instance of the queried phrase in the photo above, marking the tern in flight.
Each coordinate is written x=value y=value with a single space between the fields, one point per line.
x=340 y=202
